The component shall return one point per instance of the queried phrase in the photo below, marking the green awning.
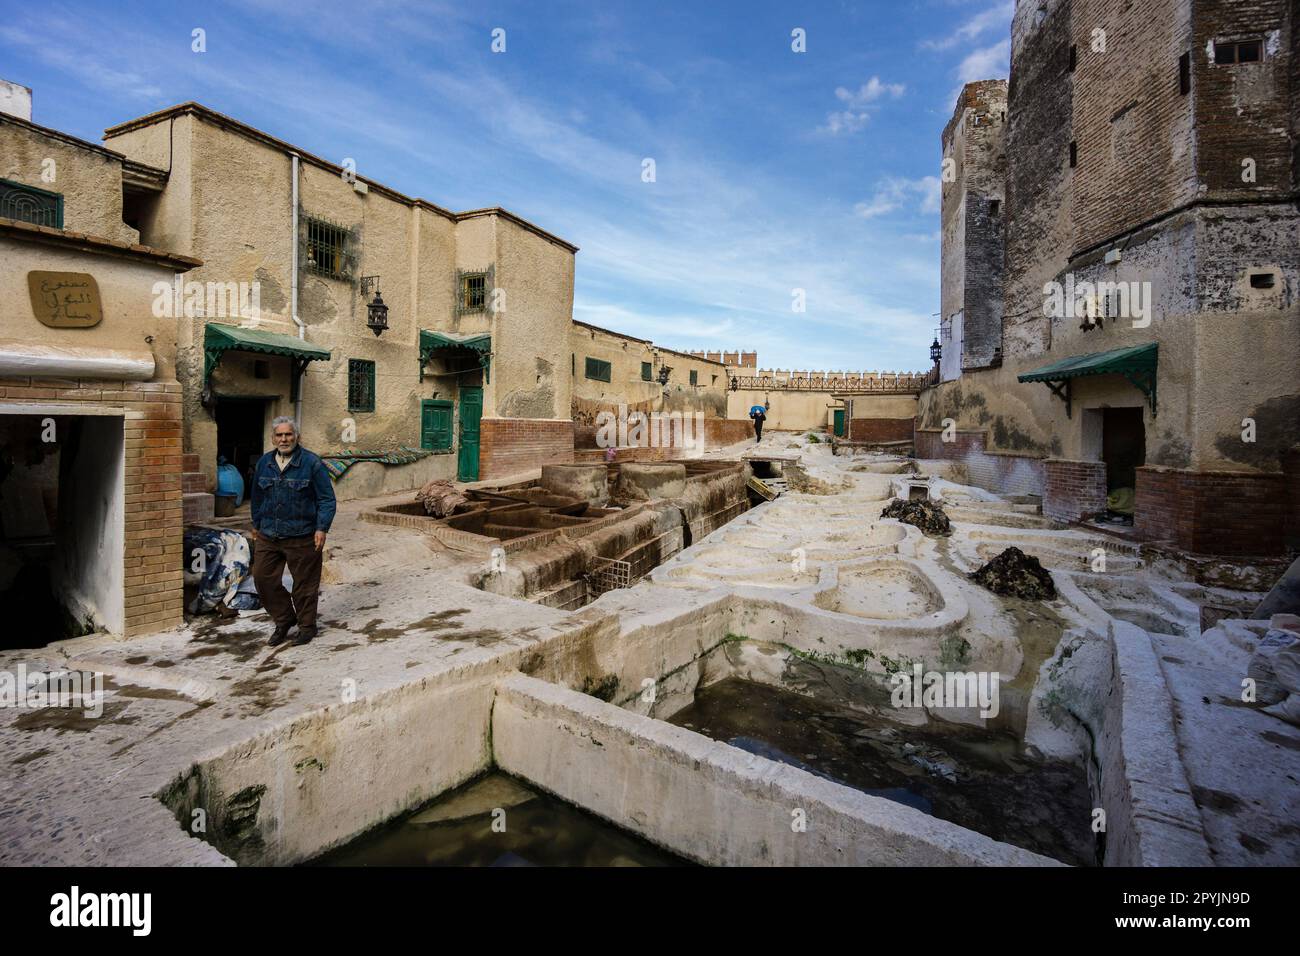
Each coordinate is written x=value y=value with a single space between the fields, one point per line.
x=1136 y=363
x=430 y=342
x=219 y=339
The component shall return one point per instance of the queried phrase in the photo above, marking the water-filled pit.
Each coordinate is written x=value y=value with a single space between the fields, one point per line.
x=498 y=820
x=984 y=780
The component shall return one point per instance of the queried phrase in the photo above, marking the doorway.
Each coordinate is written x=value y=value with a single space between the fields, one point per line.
x=62 y=531
x=241 y=433
x=1123 y=449
x=471 y=411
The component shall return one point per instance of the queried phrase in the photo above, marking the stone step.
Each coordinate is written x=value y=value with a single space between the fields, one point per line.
x=192 y=481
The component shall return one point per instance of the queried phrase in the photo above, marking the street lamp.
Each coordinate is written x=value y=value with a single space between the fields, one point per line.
x=376 y=310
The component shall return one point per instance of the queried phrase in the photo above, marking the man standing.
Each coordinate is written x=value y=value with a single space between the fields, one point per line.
x=759 y=414
x=293 y=506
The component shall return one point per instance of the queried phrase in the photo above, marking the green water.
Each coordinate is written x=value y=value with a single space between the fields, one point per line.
x=496 y=820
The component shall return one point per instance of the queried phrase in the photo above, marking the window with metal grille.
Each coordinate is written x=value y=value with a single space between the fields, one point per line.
x=646 y=370
x=695 y=377
x=29 y=204
x=473 y=291
x=361 y=385
x=1239 y=51
x=328 y=249
x=598 y=369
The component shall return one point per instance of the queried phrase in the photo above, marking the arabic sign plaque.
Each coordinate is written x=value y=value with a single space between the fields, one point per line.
x=65 y=300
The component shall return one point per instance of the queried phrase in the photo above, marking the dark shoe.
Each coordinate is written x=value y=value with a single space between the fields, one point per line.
x=305 y=635
x=280 y=636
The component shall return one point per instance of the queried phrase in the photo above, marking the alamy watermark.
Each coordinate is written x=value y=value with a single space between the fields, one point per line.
x=1095 y=302
x=38 y=690
x=231 y=300
x=649 y=429
x=943 y=689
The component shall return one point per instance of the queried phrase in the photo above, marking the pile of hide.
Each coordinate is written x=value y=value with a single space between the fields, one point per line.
x=441 y=499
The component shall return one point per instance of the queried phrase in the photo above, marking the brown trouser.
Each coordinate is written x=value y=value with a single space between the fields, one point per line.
x=269 y=559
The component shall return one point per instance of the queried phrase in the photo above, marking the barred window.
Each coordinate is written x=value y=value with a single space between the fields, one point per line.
x=473 y=291
x=29 y=204
x=328 y=249
x=361 y=385
x=598 y=370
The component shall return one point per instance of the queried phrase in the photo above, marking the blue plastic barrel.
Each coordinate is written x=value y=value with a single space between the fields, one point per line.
x=230 y=481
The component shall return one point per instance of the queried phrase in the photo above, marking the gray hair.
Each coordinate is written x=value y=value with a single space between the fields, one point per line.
x=284 y=420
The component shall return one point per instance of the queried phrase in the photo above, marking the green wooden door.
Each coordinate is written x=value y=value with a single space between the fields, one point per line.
x=435 y=424
x=839 y=422
x=471 y=410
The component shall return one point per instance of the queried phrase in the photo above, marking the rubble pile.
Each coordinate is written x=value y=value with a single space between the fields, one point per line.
x=1016 y=574
x=922 y=513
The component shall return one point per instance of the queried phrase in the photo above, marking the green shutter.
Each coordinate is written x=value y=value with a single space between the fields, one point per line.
x=695 y=377
x=646 y=370
x=599 y=370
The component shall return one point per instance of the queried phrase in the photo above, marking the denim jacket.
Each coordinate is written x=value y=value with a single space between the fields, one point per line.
x=296 y=502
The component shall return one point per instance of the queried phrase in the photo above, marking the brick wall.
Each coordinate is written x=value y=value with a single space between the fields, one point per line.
x=1213 y=512
x=1242 y=109
x=1002 y=474
x=1038 y=233
x=726 y=431
x=511 y=445
x=1132 y=125
x=1073 y=490
x=881 y=429
x=152 y=555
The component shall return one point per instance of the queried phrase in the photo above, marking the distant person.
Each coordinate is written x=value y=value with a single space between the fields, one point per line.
x=293 y=507
x=759 y=414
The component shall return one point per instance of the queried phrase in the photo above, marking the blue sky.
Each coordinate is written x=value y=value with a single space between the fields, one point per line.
x=774 y=170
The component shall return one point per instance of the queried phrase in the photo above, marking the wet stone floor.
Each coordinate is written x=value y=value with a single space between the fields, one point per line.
x=982 y=780
x=497 y=820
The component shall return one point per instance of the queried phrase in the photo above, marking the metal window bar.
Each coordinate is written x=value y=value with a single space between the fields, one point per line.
x=473 y=292
x=29 y=204
x=608 y=574
x=328 y=249
x=361 y=385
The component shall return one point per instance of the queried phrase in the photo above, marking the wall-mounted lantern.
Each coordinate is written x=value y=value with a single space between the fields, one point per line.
x=936 y=350
x=664 y=371
x=376 y=310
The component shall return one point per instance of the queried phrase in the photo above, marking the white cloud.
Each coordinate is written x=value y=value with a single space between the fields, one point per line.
x=869 y=92
x=998 y=16
x=986 y=63
x=857 y=104
x=894 y=193
x=845 y=121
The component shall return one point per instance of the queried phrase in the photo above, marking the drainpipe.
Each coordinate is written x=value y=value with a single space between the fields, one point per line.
x=293 y=295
